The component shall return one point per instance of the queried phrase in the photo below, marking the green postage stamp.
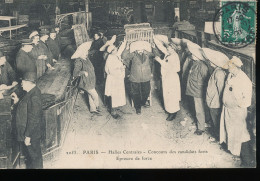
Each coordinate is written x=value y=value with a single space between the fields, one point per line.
x=238 y=23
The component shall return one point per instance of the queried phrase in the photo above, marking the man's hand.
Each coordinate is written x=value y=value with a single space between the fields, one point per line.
x=157 y=58
x=86 y=74
x=27 y=141
x=55 y=61
x=3 y=87
x=14 y=97
x=14 y=83
x=43 y=57
x=50 y=67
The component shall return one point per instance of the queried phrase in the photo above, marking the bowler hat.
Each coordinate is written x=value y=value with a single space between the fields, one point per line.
x=44 y=32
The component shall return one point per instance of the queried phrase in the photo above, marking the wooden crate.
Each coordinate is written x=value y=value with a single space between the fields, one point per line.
x=80 y=33
x=138 y=32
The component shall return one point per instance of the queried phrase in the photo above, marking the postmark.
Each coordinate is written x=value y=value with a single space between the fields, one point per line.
x=237 y=24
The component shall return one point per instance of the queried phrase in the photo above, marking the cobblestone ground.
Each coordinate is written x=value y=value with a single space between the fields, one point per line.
x=156 y=142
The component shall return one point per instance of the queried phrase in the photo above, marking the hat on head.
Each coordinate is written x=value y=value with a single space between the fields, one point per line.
x=82 y=50
x=44 y=32
x=217 y=58
x=195 y=50
x=30 y=76
x=26 y=41
x=34 y=33
x=1 y=54
x=163 y=38
x=52 y=30
x=236 y=61
x=140 y=45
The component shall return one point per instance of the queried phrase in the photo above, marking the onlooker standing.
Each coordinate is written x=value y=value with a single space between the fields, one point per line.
x=96 y=57
x=24 y=62
x=236 y=98
x=53 y=44
x=84 y=69
x=215 y=88
x=29 y=123
x=196 y=86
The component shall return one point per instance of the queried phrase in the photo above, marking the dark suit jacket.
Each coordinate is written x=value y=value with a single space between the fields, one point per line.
x=29 y=121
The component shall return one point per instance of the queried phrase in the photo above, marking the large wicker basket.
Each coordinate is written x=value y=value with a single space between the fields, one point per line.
x=138 y=32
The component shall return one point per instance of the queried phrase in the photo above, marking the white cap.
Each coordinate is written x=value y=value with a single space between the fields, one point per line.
x=236 y=61
x=34 y=33
x=82 y=50
x=195 y=50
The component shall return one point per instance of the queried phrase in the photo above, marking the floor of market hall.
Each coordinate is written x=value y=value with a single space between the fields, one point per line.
x=136 y=141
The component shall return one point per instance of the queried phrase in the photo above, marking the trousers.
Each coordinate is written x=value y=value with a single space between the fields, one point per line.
x=140 y=93
x=93 y=99
x=33 y=155
x=215 y=114
x=201 y=112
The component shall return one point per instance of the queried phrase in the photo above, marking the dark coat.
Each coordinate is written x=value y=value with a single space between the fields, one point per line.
x=7 y=75
x=29 y=121
x=197 y=80
x=140 y=65
x=54 y=47
x=25 y=63
x=46 y=52
x=88 y=82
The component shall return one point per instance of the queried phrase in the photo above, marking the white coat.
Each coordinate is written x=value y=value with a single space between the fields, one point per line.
x=171 y=83
x=236 y=98
x=115 y=85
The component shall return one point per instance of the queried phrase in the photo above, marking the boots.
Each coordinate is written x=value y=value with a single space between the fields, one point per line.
x=171 y=116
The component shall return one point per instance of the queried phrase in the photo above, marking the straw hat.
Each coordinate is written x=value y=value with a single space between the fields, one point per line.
x=82 y=50
x=217 y=58
x=140 y=45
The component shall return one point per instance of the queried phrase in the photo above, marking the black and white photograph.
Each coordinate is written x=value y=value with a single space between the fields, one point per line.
x=127 y=84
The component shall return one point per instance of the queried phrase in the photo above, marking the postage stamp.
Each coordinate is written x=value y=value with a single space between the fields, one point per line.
x=238 y=23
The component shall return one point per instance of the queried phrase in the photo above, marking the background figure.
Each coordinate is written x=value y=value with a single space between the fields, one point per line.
x=96 y=57
x=196 y=86
x=29 y=123
x=84 y=69
x=170 y=80
x=24 y=62
x=53 y=44
x=236 y=98
x=38 y=54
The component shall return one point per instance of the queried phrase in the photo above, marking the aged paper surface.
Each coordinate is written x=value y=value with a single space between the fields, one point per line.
x=76 y=138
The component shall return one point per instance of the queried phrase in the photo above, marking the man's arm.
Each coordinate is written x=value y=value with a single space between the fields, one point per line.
x=127 y=57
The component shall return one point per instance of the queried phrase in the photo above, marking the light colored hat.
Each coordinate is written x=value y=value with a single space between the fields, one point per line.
x=163 y=38
x=236 y=61
x=140 y=45
x=110 y=48
x=160 y=45
x=34 y=33
x=195 y=50
x=82 y=50
x=216 y=57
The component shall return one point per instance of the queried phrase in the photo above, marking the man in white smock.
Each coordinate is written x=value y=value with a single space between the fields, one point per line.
x=115 y=70
x=170 y=65
x=236 y=98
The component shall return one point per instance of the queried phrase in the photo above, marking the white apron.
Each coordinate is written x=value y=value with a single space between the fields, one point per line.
x=171 y=83
x=115 y=85
x=233 y=126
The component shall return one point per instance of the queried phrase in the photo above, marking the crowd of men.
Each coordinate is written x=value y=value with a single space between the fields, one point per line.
x=207 y=79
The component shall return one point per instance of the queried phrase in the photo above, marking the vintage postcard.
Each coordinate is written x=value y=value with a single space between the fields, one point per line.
x=111 y=84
